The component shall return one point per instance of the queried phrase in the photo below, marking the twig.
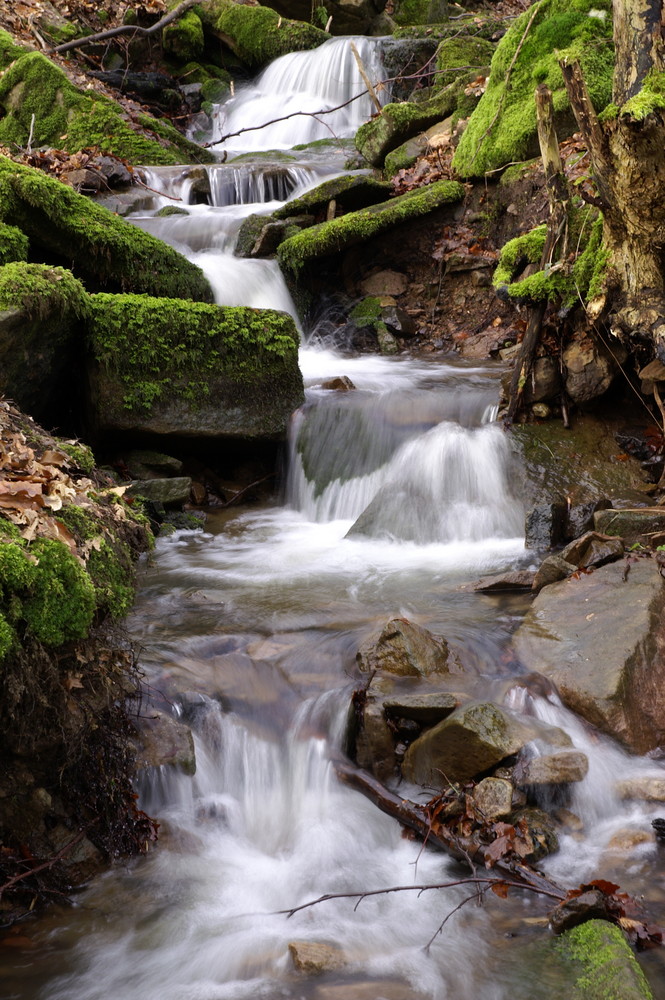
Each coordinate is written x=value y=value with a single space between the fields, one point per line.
x=31 y=133
x=126 y=29
x=241 y=493
x=366 y=80
x=467 y=899
x=46 y=864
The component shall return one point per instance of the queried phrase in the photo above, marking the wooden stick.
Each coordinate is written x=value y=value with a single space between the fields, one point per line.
x=366 y=79
x=126 y=29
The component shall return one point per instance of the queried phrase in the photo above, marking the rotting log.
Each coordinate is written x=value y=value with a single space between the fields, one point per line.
x=415 y=817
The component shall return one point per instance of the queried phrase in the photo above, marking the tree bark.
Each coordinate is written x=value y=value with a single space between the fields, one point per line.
x=638 y=44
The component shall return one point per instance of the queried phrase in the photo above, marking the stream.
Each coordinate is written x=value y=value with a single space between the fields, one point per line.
x=249 y=630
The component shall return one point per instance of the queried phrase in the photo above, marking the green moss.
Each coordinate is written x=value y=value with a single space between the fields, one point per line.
x=80 y=454
x=101 y=245
x=352 y=190
x=409 y=12
x=259 y=34
x=111 y=572
x=399 y=122
x=562 y=29
x=160 y=348
x=35 y=89
x=650 y=98
x=367 y=312
x=357 y=227
x=568 y=284
x=168 y=210
x=517 y=171
x=8 y=529
x=184 y=38
x=8 y=638
x=14 y=244
x=606 y=967
x=9 y=51
x=459 y=55
x=214 y=91
x=40 y=291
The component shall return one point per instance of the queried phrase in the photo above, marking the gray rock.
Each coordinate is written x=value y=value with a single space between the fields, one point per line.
x=599 y=639
x=580 y=517
x=144 y=464
x=593 y=549
x=162 y=741
x=553 y=769
x=407 y=650
x=493 y=798
x=426 y=709
x=384 y=283
x=552 y=569
x=630 y=523
x=591 y=905
x=171 y=492
x=518 y=580
x=544 y=525
x=375 y=747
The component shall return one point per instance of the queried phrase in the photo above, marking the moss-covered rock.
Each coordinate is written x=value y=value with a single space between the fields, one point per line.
x=351 y=191
x=173 y=367
x=41 y=313
x=603 y=963
x=258 y=34
x=458 y=56
x=9 y=51
x=399 y=122
x=502 y=129
x=36 y=94
x=102 y=246
x=358 y=227
x=183 y=39
x=410 y=12
x=14 y=244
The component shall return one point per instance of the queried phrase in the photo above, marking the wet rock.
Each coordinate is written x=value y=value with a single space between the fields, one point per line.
x=473 y=739
x=518 y=580
x=397 y=511
x=384 y=283
x=593 y=549
x=590 y=905
x=375 y=746
x=544 y=525
x=398 y=321
x=551 y=570
x=651 y=789
x=544 y=381
x=144 y=464
x=601 y=961
x=493 y=798
x=542 y=832
x=162 y=741
x=352 y=191
x=580 y=517
x=170 y=492
x=625 y=841
x=426 y=709
x=375 y=989
x=570 y=821
x=407 y=650
x=598 y=638
x=341 y=383
x=590 y=369
x=387 y=341
x=631 y=522
x=314 y=957
x=83 y=861
x=553 y=769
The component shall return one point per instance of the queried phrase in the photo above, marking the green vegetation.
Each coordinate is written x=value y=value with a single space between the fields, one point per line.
x=650 y=98
x=9 y=51
x=457 y=56
x=101 y=245
x=502 y=129
x=68 y=118
x=183 y=38
x=353 y=190
x=40 y=291
x=606 y=966
x=14 y=244
x=80 y=454
x=258 y=34
x=356 y=227
x=161 y=348
x=568 y=284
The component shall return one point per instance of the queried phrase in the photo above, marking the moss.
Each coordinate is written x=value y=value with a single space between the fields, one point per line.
x=14 y=244
x=169 y=210
x=517 y=171
x=40 y=291
x=182 y=150
x=357 y=227
x=215 y=90
x=259 y=34
x=101 y=245
x=650 y=98
x=161 y=348
x=367 y=312
x=409 y=12
x=568 y=284
x=72 y=119
x=80 y=454
x=8 y=530
x=9 y=51
x=606 y=967
x=562 y=29
x=399 y=122
x=184 y=38
x=352 y=190
x=459 y=55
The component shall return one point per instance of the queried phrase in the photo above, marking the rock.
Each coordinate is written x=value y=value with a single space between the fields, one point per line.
x=384 y=283
x=314 y=957
x=387 y=342
x=541 y=831
x=651 y=789
x=171 y=492
x=630 y=522
x=145 y=464
x=626 y=841
x=570 y=821
x=553 y=769
x=590 y=905
x=83 y=180
x=83 y=861
x=398 y=321
x=350 y=192
x=593 y=549
x=493 y=798
x=426 y=709
x=544 y=525
x=579 y=518
x=407 y=650
x=234 y=375
x=396 y=124
x=258 y=34
x=162 y=741
x=602 y=962
x=599 y=639
x=544 y=381
x=374 y=989
x=359 y=227
x=341 y=383
x=397 y=512
x=475 y=738
x=375 y=747
x=590 y=369
x=551 y=570
x=517 y=580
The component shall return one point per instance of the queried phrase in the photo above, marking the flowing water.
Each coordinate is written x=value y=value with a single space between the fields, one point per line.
x=398 y=494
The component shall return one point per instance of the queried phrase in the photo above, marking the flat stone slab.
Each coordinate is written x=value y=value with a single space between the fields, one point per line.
x=600 y=639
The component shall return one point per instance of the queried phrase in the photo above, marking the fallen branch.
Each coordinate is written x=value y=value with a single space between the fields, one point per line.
x=45 y=864
x=126 y=29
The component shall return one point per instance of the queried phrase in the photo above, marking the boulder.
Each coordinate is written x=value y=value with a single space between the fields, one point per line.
x=396 y=124
x=599 y=961
x=406 y=650
x=553 y=769
x=590 y=369
x=258 y=34
x=146 y=464
x=493 y=798
x=350 y=191
x=171 y=367
x=593 y=549
x=649 y=789
x=162 y=741
x=630 y=523
x=170 y=492
x=340 y=383
x=600 y=640
x=473 y=739
x=425 y=708
x=315 y=957
x=384 y=283
x=374 y=744
x=551 y=570
x=544 y=525
x=521 y=579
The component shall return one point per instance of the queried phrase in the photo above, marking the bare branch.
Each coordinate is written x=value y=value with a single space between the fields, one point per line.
x=126 y=29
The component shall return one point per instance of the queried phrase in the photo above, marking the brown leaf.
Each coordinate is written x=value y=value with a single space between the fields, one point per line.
x=499 y=889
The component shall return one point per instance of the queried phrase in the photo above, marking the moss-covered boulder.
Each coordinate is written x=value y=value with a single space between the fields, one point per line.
x=42 y=310
x=600 y=964
x=358 y=227
x=351 y=191
x=14 y=244
x=459 y=56
x=171 y=367
x=396 y=124
x=101 y=246
x=183 y=39
x=9 y=51
x=420 y=12
x=258 y=34
x=36 y=95
x=502 y=129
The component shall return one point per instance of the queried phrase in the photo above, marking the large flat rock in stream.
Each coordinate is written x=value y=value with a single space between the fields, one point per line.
x=601 y=639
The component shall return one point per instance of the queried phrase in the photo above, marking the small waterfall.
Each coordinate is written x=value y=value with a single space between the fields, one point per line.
x=322 y=79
